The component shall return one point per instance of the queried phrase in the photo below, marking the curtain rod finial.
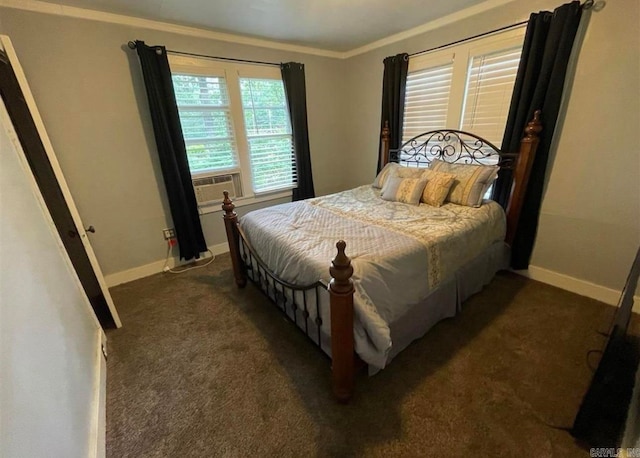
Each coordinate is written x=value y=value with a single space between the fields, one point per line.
x=132 y=45
x=595 y=5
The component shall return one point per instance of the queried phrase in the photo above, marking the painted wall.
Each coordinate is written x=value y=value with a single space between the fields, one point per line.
x=90 y=93
x=590 y=218
x=89 y=90
x=49 y=338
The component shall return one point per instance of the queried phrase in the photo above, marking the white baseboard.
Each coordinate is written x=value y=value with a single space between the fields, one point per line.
x=575 y=285
x=136 y=273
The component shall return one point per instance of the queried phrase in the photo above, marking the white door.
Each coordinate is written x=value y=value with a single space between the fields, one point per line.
x=52 y=369
x=95 y=286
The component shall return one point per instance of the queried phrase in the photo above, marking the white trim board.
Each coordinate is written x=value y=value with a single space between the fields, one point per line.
x=146 y=270
x=101 y=16
x=7 y=46
x=431 y=25
x=94 y=15
x=575 y=285
x=97 y=446
x=562 y=281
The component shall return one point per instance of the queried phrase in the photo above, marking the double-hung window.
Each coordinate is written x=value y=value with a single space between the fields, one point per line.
x=207 y=125
x=235 y=124
x=268 y=131
x=466 y=87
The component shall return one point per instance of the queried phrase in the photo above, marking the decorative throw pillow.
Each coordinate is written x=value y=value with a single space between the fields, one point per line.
x=393 y=168
x=437 y=188
x=408 y=172
x=384 y=174
x=471 y=181
x=405 y=190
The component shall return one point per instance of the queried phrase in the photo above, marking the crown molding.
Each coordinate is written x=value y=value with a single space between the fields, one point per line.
x=113 y=18
x=121 y=19
x=431 y=25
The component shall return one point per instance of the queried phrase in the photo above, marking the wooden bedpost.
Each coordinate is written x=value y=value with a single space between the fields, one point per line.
x=233 y=238
x=342 y=345
x=528 y=146
x=385 y=135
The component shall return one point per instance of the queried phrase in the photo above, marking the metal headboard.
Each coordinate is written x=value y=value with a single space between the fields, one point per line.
x=450 y=145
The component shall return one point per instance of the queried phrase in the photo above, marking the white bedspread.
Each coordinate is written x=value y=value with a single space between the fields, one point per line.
x=399 y=252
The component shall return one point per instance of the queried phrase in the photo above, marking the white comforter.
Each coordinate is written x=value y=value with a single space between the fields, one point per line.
x=399 y=252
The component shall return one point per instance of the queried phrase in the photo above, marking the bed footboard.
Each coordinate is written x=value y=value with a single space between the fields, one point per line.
x=342 y=344
x=247 y=265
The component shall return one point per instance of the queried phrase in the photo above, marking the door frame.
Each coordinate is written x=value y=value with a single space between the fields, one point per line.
x=5 y=43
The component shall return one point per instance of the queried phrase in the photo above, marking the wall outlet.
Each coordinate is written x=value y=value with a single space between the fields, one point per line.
x=169 y=233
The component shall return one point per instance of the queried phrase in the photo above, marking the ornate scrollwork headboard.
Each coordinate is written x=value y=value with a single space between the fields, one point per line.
x=458 y=146
x=450 y=145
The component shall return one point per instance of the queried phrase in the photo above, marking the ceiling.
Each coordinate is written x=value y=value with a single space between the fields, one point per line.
x=336 y=25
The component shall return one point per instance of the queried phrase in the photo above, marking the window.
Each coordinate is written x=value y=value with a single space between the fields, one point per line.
x=490 y=81
x=235 y=121
x=266 y=118
x=427 y=99
x=207 y=127
x=465 y=87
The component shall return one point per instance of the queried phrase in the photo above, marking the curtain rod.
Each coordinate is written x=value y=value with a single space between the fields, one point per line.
x=588 y=4
x=506 y=27
x=132 y=45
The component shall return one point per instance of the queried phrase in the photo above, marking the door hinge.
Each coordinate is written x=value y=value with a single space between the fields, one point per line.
x=104 y=351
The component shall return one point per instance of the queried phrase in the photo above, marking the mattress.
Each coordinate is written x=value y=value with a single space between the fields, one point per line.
x=400 y=253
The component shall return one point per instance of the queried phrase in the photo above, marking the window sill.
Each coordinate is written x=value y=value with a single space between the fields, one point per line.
x=242 y=201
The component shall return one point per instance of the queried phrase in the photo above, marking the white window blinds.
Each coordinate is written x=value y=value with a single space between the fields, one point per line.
x=426 y=100
x=235 y=121
x=490 y=82
x=205 y=116
x=266 y=118
x=467 y=86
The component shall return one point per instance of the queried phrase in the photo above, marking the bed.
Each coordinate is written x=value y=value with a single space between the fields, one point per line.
x=408 y=266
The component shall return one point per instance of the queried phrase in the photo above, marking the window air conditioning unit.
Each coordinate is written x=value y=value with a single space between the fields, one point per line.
x=209 y=189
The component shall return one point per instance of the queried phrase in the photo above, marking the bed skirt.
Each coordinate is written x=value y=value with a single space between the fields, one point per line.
x=443 y=302
x=446 y=300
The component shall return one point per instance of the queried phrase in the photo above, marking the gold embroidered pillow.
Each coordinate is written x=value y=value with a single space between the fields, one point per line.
x=405 y=190
x=437 y=188
x=384 y=174
x=470 y=183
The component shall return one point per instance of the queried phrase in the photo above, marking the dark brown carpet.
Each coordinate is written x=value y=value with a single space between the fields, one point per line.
x=203 y=369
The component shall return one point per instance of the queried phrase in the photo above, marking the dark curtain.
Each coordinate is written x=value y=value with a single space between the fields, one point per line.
x=296 y=91
x=539 y=84
x=394 y=82
x=171 y=149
